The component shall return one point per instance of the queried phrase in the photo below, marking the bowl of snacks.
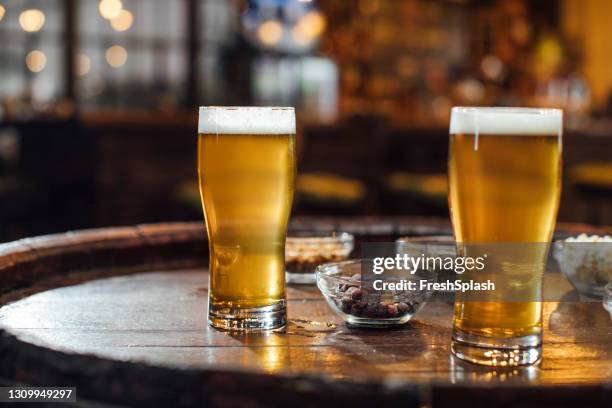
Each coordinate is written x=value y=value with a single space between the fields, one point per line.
x=607 y=298
x=350 y=291
x=586 y=261
x=306 y=250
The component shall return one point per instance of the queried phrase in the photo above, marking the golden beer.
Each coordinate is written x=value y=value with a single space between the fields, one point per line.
x=246 y=166
x=504 y=188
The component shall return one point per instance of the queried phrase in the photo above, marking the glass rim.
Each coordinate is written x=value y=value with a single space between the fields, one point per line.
x=313 y=236
x=264 y=120
x=257 y=108
x=506 y=121
x=427 y=239
x=506 y=110
x=335 y=271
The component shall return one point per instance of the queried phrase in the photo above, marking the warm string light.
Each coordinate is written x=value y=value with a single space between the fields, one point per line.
x=309 y=27
x=120 y=20
x=83 y=64
x=31 y=20
x=270 y=32
x=116 y=56
x=110 y=9
x=36 y=61
x=123 y=21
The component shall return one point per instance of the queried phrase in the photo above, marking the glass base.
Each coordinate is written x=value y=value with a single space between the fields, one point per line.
x=248 y=319
x=497 y=352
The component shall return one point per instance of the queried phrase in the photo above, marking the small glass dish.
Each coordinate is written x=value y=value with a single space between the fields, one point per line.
x=432 y=245
x=586 y=262
x=306 y=250
x=435 y=245
x=352 y=298
x=607 y=298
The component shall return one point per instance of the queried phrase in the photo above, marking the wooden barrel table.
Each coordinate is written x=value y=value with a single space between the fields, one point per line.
x=120 y=314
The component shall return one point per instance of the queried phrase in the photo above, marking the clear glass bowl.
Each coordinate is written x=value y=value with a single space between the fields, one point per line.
x=306 y=250
x=587 y=265
x=607 y=298
x=434 y=246
x=348 y=295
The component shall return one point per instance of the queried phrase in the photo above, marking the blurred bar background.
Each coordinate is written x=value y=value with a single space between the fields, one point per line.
x=98 y=99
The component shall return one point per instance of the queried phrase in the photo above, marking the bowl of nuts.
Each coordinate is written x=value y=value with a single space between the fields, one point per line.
x=306 y=250
x=350 y=291
x=586 y=261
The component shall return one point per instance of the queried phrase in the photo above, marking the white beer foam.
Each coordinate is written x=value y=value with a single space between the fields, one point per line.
x=506 y=121
x=246 y=120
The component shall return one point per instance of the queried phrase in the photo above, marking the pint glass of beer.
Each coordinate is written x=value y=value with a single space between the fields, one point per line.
x=504 y=185
x=246 y=167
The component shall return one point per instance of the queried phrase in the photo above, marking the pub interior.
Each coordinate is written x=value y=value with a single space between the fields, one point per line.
x=99 y=128
x=98 y=99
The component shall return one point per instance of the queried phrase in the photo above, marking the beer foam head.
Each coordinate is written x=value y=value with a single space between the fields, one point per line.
x=506 y=121
x=246 y=120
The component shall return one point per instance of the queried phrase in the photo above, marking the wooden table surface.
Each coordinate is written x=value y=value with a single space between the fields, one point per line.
x=121 y=314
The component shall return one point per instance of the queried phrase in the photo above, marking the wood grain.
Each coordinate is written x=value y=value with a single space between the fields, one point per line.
x=159 y=318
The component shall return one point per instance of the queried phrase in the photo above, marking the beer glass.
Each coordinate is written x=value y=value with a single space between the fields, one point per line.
x=504 y=185
x=246 y=168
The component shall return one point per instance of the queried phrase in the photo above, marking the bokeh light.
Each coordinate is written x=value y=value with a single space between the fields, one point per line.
x=83 y=64
x=314 y=23
x=36 y=61
x=116 y=56
x=492 y=67
x=270 y=32
x=123 y=21
x=309 y=27
x=110 y=9
x=2 y=11
x=32 y=20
